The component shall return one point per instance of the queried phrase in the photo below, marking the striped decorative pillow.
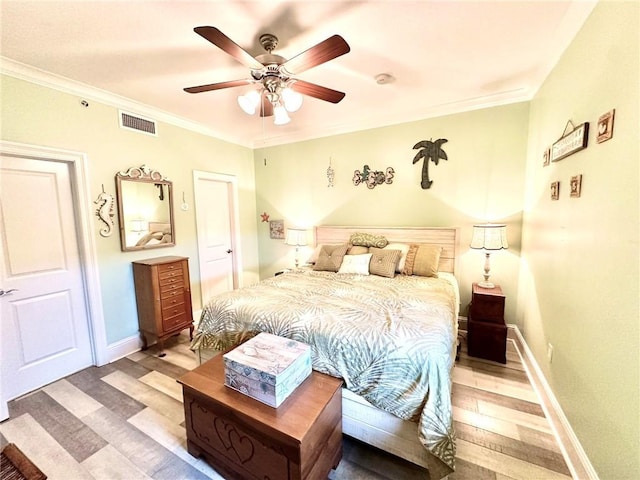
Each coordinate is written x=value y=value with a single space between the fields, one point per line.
x=383 y=262
x=423 y=260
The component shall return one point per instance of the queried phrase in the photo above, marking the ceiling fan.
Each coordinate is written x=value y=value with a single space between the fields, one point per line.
x=278 y=90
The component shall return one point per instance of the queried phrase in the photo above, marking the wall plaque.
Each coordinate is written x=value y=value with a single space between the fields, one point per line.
x=571 y=142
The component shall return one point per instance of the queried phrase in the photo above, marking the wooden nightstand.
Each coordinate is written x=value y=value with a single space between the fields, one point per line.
x=487 y=332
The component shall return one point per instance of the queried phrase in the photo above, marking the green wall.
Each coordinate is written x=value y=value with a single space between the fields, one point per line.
x=41 y=116
x=483 y=179
x=579 y=286
x=571 y=274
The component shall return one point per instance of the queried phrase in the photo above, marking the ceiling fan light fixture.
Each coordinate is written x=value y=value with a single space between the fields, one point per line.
x=249 y=101
x=280 y=115
x=292 y=99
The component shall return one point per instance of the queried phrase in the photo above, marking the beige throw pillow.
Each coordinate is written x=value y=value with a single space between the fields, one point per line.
x=423 y=260
x=383 y=262
x=330 y=257
x=357 y=250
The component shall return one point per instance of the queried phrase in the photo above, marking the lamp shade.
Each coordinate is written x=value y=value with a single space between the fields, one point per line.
x=249 y=101
x=292 y=99
x=280 y=115
x=296 y=236
x=489 y=236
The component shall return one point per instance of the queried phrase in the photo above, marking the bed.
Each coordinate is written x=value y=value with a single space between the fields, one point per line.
x=159 y=232
x=392 y=338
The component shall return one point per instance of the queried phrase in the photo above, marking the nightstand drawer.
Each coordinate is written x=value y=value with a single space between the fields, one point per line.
x=489 y=309
x=487 y=340
x=487 y=305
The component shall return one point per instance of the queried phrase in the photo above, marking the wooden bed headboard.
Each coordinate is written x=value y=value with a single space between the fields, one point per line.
x=446 y=237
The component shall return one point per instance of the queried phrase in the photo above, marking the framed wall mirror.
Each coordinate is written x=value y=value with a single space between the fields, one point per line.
x=145 y=209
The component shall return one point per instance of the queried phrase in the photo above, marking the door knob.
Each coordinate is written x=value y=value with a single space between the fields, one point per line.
x=229 y=251
x=7 y=292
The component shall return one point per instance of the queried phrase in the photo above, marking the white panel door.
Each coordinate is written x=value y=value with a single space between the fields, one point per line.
x=44 y=327
x=215 y=222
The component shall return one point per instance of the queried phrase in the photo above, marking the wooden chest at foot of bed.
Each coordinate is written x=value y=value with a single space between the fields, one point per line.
x=267 y=367
x=246 y=439
x=487 y=340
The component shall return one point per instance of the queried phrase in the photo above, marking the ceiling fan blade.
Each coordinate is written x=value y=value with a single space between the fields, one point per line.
x=218 y=86
x=267 y=108
x=326 y=50
x=317 y=91
x=223 y=42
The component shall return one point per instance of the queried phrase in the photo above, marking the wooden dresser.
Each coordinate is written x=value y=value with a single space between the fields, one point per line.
x=487 y=332
x=243 y=438
x=163 y=296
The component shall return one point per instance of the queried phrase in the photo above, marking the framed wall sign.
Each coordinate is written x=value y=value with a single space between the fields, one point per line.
x=605 y=126
x=546 y=157
x=555 y=190
x=576 y=186
x=571 y=142
x=276 y=229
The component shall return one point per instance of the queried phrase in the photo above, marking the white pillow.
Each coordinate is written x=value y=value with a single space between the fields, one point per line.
x=358 y=264
x=404 y=248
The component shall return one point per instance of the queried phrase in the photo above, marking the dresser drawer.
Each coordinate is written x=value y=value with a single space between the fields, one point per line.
x=173 y=310
x=168 y=291
x=171 y=300
x=165 y=268
x=177 y=279
x=180 y=319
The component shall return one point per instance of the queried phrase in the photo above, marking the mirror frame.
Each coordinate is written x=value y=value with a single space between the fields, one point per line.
x=143 y=174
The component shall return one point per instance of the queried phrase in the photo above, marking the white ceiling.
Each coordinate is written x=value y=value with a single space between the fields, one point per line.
x=446 y=56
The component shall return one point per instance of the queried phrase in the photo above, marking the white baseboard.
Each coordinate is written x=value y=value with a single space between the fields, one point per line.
x=124 y=347
x=132 y=344
x=575 y=456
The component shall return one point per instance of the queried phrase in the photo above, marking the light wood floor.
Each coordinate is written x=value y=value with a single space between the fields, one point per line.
x=125 y=420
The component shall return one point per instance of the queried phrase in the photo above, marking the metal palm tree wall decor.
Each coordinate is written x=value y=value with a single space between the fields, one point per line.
x=429 y=150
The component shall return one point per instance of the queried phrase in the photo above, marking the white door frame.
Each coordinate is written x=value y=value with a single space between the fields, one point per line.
x=83 y=205
x=235 y=219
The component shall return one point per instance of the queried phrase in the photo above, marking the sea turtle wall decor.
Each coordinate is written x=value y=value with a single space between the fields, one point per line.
x=429 y=151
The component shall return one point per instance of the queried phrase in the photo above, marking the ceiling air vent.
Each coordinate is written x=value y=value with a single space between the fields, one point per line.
x=137 y=123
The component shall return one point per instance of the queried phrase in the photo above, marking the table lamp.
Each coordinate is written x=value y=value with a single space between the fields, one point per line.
x=489 y=237
x=296 y=237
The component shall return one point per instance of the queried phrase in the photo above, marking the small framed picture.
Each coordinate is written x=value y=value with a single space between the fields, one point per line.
x=546 y=157
x=576 y=186
x=555 y=190
x=276 y=229
x=605 y=126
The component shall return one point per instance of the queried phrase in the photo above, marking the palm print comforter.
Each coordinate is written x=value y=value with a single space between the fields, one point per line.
x=392 y=340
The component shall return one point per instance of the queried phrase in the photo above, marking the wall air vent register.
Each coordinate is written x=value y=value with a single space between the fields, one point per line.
x=137 y=123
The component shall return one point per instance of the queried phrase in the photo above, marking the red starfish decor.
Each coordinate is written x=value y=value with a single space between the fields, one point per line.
x=265 y=217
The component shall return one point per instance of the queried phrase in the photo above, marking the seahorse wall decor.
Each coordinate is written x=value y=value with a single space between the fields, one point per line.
x=429 y=150
x=371 y=178
x=105 y=212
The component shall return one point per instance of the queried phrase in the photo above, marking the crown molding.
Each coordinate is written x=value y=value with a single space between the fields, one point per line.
x=43 y=78
x=440 y=110
x=40 y=77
